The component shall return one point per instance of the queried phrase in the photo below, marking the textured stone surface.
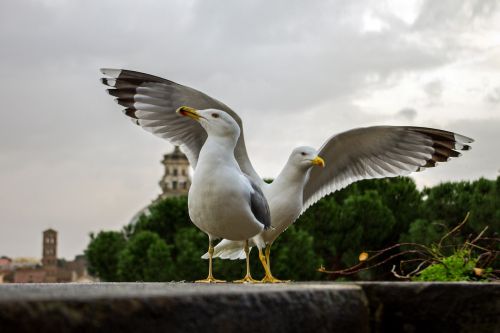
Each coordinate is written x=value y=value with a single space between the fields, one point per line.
x=433 y=307
x=182 y=307
x=294 y=307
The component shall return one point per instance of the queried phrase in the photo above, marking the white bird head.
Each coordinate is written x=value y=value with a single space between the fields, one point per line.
x=217 y=123
x=305 y=157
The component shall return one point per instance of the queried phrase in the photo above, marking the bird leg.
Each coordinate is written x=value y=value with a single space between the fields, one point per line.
x=210 y=278
x=248 y=277
x=263 y=261
x=269 y=278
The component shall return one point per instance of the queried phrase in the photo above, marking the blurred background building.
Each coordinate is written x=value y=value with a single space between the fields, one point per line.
x=176 y=179
x=49 y=269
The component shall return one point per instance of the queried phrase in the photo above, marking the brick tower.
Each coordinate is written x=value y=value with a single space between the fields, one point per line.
x=49 y=255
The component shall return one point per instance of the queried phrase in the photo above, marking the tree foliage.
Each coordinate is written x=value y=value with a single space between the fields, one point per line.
x=146 y=257
x=163 y=245
x=102 y=254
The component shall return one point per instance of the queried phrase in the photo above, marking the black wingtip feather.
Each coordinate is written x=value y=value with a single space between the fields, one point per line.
x=126 y=102
x=127 y=93
x=113 y=92
x=130 y=113
x=429 y=164
x=440 y=158
x=108 y=82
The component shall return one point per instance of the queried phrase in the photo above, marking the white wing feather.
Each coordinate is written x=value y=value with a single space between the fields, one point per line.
x=151 y=102
x=379 y=152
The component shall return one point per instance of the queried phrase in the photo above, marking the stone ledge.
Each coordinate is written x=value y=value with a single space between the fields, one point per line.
x=183 y=307
x=294 y=307
x=433 y=306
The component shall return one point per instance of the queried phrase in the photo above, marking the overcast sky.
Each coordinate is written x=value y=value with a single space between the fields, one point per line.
x=295 y=71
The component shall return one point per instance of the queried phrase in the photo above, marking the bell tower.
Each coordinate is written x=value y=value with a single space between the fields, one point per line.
x=49 y=255
x=176 y=180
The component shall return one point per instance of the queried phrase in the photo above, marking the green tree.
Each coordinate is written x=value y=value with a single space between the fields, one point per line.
x=447 y=203
x=484 y=206
x=404 y=200
x=294 y=257
x=190 y=245
x=341 y=230
x=321 y=222
x=159 y=266
x=146 y=257
x=423 y=232
x=102 y=254
x=165 y=217
x=369 y=221
x=367 y=215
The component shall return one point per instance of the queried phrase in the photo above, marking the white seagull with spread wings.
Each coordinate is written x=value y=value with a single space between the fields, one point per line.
x=223 y=202
x=361 y=153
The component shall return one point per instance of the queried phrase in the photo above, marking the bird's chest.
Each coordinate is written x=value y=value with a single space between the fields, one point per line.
x=285 y=203
x=208 y=196
x=285 y=208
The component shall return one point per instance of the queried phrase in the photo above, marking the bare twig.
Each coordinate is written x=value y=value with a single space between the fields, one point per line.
x=490 y=239
x=358 y=268
x=418 y=269
x=477 y=246
x=393 y=271
x=460 y=225
x=480 y=235
x=409 y=275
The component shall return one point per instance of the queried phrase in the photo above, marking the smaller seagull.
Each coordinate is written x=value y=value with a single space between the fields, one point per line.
x=361 y=153
x=285 y=198
x=224 y=202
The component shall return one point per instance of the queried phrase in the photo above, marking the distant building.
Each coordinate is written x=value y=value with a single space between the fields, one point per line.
x=5 y=267
x=175 y=182
x=49 y=255
x=49 y=269
x=5 y=263
x=30 y=275
x=176 y=179
x=25 y=262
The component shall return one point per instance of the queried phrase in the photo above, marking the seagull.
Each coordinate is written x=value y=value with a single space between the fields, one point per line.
x=285 y=197
x=222 y=201
x=361 y=153
x=357 y=154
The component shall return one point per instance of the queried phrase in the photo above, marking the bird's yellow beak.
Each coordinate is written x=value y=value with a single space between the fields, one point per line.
x=318 y=161
x=186 y=111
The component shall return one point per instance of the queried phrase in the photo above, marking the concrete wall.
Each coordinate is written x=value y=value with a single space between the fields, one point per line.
x=294 y=307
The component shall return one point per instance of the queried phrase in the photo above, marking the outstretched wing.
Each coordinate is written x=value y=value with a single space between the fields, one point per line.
x=151 y=101
x=378 y=152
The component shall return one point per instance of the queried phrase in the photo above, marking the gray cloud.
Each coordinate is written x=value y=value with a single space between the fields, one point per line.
x=434 y=91
x=448 y=14
x=493 y=96
x=408 y=114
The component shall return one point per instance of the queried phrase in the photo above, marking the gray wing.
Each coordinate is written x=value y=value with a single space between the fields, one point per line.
x=378 y=152
x=259 y=205
x=151 y=102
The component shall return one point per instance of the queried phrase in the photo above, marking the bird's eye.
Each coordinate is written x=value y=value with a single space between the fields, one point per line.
x=303 y=154
x=215 y=115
